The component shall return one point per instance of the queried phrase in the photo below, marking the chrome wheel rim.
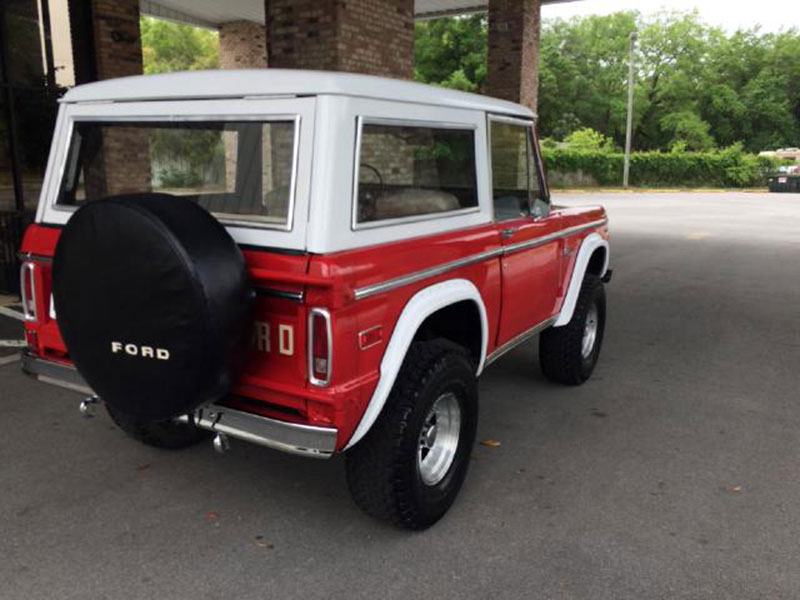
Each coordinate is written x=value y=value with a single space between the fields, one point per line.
x=590 y=331
x=438 y=440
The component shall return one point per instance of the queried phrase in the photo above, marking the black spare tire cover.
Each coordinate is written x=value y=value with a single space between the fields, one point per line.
x=153 y=302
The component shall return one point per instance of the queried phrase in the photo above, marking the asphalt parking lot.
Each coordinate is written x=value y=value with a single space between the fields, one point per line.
x=673 y=473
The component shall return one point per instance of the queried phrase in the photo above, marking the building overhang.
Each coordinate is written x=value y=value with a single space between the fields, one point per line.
x=211 y=13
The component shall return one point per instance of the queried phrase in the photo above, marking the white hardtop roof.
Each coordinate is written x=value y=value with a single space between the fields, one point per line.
x=200 y=85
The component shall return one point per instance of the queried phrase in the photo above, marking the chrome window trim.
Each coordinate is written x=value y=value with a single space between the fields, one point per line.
x=490 y=118
x=417 y=218
x=510 y=120
x=325 y=313
x=243 y=221
x=390 y=284
x=361 y=120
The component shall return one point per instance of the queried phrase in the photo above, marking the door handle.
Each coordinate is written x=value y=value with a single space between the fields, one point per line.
x=508 y=231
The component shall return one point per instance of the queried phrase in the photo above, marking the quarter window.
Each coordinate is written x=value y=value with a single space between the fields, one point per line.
x=236 y=170
x=515 y=178
x=413 y=171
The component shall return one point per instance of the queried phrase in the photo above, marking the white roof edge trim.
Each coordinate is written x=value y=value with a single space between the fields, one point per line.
x=217 y=84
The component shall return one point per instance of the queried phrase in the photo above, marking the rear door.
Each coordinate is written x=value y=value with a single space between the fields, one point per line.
x=528 y=229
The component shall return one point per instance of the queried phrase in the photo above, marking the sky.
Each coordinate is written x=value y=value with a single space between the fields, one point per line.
x=728 y=14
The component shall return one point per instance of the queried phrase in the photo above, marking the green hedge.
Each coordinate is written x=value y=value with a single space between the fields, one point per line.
x=730 y=167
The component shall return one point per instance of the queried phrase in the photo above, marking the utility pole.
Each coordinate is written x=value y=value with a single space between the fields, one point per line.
x=628 y=132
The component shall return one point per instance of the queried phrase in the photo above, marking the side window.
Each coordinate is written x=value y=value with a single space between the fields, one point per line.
x=516 y=190
x=408 y=171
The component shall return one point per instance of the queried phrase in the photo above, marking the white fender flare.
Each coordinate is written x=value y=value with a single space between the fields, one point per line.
x=590 y=243
x=422 y=305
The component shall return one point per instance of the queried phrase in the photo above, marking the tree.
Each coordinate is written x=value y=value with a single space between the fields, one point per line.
x=687 y=130
x=451 y=52
x=697 y=87
x=589 y=140
x=168 y=46
x=583 y=74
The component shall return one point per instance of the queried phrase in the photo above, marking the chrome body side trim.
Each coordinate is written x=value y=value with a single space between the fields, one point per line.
x=35 y=257
x=285 y=294
x=521 y=338
x=390 y=284
x=294 y=438
x=553 y=236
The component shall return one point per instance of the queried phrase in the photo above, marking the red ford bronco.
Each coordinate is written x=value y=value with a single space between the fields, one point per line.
x=314 y=262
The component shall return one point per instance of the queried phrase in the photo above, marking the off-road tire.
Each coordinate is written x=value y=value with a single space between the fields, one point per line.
x=382 y=469
x=560 y=348
x=167 y=435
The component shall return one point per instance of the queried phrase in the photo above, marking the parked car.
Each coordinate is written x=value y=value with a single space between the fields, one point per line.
x=785 y=181
x=316 y=262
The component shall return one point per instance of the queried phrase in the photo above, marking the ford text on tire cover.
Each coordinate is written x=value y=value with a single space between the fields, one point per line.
x=314 y=262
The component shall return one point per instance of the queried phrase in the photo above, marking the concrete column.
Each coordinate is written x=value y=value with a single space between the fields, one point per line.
x=360 y=36
x=242 y=45
x=513 y=65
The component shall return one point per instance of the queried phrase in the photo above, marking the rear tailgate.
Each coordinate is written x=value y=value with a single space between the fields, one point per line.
x=273 y=380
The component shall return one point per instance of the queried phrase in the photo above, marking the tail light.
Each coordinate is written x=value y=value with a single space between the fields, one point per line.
x=28 y=290
x=319 y=346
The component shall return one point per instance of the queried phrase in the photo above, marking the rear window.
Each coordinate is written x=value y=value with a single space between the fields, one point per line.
x=239 y=171
x=411 y=172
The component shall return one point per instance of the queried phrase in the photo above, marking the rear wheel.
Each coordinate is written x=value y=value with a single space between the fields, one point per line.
x=410 y=466
x=568 y=354
x=159 y=434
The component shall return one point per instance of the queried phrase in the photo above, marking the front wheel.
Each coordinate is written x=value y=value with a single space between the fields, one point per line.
x=568 y=354
x=410 y=466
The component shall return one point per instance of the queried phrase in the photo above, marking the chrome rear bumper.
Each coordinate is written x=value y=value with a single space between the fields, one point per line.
x=54 y=373
x=295 y=438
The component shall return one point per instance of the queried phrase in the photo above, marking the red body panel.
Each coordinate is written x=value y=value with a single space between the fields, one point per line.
x=530 y=275
x=519 y=289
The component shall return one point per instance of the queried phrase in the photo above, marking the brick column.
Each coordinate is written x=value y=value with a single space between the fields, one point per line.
x=118 y=53
x=242 y=45
x=117 y=40
x=360 y=36
x=513 y=65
